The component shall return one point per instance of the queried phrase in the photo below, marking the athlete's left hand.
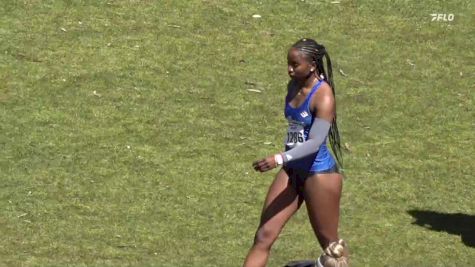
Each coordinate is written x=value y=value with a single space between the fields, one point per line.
x=264 y=165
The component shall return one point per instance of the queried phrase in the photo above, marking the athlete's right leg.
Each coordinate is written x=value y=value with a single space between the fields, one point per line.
x=281 y=203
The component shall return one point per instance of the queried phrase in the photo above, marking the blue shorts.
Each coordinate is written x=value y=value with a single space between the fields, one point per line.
x=321 y=161
x=297 y=177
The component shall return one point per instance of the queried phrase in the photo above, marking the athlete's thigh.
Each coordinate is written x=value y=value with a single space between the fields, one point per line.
x=322 y=193
x=281 y=202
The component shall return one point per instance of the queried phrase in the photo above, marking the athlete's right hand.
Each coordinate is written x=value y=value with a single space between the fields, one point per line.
x=264 y=165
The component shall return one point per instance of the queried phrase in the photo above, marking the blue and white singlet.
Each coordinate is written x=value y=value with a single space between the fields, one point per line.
x=300 y=121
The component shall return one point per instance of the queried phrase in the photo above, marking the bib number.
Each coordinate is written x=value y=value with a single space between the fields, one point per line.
x=295 y=135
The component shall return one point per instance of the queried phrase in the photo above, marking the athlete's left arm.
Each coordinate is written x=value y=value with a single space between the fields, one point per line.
x=325 y=102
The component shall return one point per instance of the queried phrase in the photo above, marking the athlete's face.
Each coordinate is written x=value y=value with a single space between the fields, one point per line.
x=298 y=66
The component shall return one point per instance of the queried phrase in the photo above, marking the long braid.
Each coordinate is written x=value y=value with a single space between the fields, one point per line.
x=316 y=52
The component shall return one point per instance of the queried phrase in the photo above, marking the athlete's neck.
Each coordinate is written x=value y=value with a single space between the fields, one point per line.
x=307 y=83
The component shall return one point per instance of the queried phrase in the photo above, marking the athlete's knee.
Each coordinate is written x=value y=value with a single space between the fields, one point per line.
x=335 y=255
x=265 y=236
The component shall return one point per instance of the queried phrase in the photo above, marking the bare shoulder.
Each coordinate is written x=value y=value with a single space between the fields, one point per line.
x=290 y=89
x=290 y=85
x=323 y=101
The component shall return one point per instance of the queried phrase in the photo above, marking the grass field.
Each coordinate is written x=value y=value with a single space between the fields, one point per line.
x=127 y=131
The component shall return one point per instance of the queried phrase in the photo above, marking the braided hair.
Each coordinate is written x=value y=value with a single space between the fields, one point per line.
x=315 y=52
x=335 y=255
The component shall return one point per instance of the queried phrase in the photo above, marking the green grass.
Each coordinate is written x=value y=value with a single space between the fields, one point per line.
x=127 y=132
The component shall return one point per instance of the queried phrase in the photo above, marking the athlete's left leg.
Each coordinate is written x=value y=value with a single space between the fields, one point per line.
x=322 y=193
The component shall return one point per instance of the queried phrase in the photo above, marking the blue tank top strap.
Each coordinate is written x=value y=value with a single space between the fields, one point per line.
x=314 y=89
x=307 y=100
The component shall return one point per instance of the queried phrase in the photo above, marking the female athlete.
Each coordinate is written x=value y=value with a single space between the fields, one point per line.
x=310 y=172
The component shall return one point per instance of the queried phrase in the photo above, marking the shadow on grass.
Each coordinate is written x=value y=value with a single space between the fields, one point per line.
x=452 y=223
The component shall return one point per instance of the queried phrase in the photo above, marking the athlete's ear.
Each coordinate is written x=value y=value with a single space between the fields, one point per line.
x=314 y=65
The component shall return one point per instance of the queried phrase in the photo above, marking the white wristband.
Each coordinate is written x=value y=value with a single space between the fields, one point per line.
x=279 y=159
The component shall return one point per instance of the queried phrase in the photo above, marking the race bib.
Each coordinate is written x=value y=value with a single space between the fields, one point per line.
x=295 y=135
